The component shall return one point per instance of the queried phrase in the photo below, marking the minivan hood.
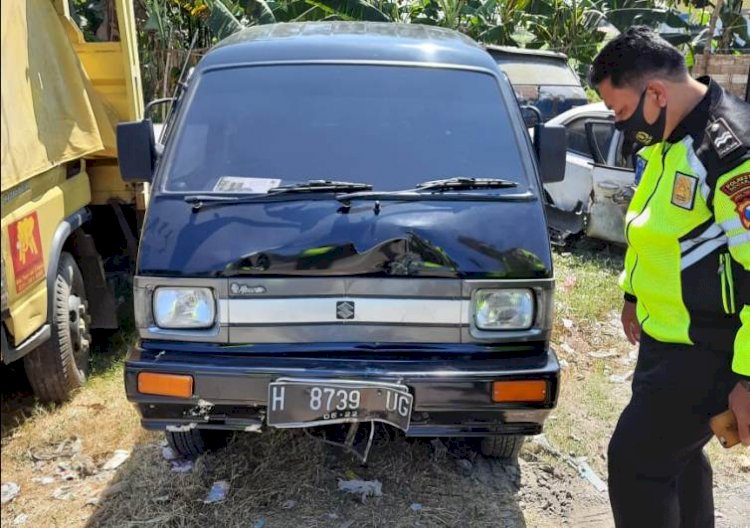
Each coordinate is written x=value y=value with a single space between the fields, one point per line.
x=320 y=238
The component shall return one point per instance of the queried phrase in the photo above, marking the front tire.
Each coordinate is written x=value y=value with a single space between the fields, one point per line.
x=194 y=442
x=505 y=447
x=61 y=365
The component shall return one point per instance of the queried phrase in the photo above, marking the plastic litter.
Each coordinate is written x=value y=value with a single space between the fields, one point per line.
x=44 y=481
x=116 y=460
x=182 y=465
x=260 y=524
x=579 y=464
x=603 y=355
x=217 y=493
x=9 y=491
x=20 y=519
x=589 y=474
x=288 y=505
x=65 y=449
x=363 y=488
x=63 y=493
x=416 y=507
x=168 y=453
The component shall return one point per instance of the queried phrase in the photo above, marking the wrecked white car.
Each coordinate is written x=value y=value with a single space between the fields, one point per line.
x=599 y=180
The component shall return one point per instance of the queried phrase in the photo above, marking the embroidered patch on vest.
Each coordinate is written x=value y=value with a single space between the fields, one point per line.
x=738 y=190
x=723 y=139
x=640 y=166
x=683 y=192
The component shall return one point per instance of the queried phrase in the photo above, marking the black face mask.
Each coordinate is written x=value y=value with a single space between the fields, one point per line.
x=638 y=130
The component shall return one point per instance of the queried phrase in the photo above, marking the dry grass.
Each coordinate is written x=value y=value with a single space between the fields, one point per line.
x=590 y=402
x=265 y=473
x=288 y=479
x=100 y=417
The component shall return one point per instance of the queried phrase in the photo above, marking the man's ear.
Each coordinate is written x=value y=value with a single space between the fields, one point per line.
x=658 y=91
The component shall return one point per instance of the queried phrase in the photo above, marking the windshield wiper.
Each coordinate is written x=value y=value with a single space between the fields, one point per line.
x=199 y=201
x=459 y=184
x=321 y=186
x=432 y=187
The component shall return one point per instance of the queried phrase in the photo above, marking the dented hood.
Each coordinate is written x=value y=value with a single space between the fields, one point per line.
x=315 y=238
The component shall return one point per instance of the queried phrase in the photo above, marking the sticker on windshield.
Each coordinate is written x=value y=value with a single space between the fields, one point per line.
x=237 y=184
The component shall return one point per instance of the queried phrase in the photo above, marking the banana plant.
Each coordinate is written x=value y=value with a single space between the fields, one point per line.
x=569 y=26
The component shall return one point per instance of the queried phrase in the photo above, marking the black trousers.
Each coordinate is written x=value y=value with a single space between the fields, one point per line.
x=658 y=474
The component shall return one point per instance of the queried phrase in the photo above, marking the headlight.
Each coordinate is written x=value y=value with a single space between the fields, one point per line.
x=503 y=309
x=184 y=307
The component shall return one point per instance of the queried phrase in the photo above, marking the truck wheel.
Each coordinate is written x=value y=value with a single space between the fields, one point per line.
x=505 y=447
x=195 y=442
x=61 y=365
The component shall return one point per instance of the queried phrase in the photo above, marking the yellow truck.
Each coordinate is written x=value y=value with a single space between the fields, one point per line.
x=64 y=204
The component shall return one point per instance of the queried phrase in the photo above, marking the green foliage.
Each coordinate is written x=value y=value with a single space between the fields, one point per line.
x=592 y=95
x=574 y=27
x=571 y=27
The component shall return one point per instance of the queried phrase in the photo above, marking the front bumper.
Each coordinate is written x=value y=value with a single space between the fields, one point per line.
x=452 y=395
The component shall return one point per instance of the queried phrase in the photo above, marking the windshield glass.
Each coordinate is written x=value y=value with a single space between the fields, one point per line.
x=538 y=71
x=249 y=129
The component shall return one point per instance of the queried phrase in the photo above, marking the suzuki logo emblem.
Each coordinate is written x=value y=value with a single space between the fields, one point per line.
x=344 y=310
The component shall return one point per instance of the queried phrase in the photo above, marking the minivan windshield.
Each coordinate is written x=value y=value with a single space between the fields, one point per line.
x=538 y=71
x=249 y=129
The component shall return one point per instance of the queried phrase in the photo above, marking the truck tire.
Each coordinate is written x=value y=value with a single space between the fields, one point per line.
x=194 y=442
x=505 y=447
x=61 y=365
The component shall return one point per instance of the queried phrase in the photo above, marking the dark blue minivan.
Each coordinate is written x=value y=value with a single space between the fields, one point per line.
x=346 y=226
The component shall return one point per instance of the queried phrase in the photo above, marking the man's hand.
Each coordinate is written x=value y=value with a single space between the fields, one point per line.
x=630 y=324
x=739 y=403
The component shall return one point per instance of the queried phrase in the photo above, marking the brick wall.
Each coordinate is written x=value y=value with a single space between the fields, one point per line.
x=730 y=71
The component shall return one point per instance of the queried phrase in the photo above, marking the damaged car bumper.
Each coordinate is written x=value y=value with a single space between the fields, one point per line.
x=454 y=389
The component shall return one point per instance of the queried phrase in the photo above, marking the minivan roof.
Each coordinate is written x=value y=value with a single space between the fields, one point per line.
x=509 y=50
x=348 y=41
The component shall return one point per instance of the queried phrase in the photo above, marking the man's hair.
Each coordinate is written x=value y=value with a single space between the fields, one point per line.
x=635 y=56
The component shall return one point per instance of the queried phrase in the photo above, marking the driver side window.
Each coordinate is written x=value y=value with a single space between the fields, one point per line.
x=577 y=141
x=625 y=153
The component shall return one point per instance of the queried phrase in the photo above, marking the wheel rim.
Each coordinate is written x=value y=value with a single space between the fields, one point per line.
x=78 y=324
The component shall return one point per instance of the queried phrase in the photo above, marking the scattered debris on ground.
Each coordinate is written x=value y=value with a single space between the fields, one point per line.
x=217 y=493
x=182 y=465
x=363 y=488
x=117 y=459
x=10 y=491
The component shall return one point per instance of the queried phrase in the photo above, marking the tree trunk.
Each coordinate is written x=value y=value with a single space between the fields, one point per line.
x=710 y=39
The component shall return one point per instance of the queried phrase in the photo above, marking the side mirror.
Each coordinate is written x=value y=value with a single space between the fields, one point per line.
x=551 y=145
x=136 y=150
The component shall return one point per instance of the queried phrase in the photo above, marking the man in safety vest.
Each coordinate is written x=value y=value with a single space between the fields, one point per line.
x=686 y=278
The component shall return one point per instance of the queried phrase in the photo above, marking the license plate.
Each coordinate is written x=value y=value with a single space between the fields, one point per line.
x=305 y=403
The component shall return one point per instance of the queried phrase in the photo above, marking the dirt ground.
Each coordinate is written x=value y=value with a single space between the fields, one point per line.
x=89 y=464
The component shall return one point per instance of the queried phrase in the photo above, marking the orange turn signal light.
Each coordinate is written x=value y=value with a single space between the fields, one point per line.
x=178 y=385
x=519 y=391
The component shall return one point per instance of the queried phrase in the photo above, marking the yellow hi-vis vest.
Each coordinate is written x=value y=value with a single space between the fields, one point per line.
x=688 y=231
